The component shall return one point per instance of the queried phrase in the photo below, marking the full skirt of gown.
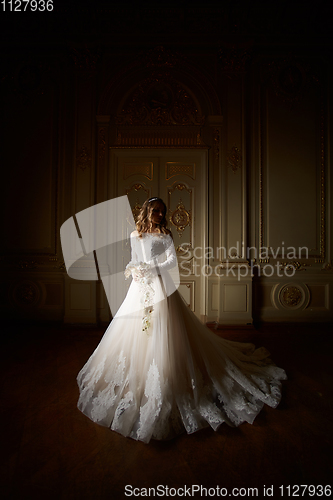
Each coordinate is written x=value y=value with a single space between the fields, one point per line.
x=175 y=376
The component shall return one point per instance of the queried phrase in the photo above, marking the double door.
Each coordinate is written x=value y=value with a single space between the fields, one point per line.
x=179 y=177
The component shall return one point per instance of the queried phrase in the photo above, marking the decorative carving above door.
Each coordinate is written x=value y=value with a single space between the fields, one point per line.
x=160 y=101
x=159 y=112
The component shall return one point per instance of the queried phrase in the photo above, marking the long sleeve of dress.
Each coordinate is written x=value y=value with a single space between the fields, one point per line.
x=134 y=254
x=134 y=262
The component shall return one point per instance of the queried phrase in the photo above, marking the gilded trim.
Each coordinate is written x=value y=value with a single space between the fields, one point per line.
x=138 y=168
x=173 y=168
x=216 y=146
x=234 y=159
x=101 y=144
x=83 y=159
x=322 y=183
x=180 y=217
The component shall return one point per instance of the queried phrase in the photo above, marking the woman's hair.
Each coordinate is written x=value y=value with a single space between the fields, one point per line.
x=144 y=224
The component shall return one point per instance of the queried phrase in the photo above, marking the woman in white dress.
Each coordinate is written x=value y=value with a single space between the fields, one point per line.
x=158 y=370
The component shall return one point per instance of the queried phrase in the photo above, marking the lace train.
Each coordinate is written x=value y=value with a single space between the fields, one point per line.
x=180 y=377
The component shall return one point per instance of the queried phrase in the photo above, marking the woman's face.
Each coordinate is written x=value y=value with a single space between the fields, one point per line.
x=157 y=213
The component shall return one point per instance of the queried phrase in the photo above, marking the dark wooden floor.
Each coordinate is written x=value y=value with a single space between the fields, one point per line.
x=50 y=450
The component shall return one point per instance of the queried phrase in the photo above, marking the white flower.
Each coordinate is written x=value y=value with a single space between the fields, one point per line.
x=142 y=274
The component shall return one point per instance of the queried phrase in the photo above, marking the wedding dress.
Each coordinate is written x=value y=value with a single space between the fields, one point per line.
x=159 y=371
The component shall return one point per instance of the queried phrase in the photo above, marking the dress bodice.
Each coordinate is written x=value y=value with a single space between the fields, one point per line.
x=154 y=248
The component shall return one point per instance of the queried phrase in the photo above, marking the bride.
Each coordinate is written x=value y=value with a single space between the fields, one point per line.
x=157 y=370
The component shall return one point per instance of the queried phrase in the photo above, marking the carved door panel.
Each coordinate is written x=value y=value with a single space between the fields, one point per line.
x=179 y=177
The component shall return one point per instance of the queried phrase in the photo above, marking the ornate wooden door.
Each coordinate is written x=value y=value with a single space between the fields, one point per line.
x=179 y=177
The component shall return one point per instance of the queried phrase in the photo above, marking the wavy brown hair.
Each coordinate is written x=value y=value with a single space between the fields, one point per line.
x=144 y=224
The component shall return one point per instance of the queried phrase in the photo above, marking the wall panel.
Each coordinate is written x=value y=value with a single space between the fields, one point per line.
x=29 y=186
x=292 y=173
